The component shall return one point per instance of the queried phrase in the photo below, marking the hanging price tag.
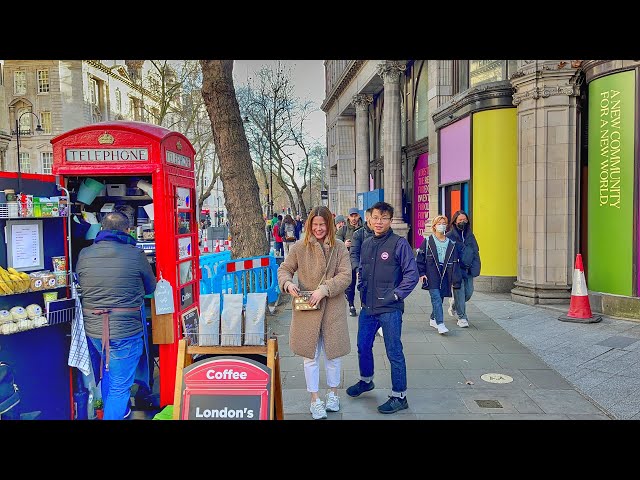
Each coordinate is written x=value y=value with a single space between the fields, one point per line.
x=163 y=297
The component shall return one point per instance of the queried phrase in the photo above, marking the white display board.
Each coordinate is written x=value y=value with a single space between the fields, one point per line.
x=25 y=250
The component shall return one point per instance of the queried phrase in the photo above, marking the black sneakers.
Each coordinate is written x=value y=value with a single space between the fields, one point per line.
x=359 y=388
x=352 y=311
x=393 y=405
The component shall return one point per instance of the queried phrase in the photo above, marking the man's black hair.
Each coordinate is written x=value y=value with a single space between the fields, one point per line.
x=115 y=221
x=383 y=207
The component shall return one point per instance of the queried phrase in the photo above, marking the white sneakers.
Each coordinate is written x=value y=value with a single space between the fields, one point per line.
x=318 y=410
x=379 y=332
x=450 y=310
x=463 y=323
x=442 y=329
x=432 y=323
x=333 y=402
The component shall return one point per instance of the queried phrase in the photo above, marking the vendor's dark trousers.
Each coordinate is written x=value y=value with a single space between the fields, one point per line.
x=350 y=292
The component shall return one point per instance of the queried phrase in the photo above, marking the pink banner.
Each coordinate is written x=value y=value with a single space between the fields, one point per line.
x=420 y=198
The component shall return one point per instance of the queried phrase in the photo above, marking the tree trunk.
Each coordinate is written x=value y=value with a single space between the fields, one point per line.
x=241 y=192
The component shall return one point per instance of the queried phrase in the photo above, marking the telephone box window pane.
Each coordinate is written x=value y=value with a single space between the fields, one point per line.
x=186 y=272
x=184 y=222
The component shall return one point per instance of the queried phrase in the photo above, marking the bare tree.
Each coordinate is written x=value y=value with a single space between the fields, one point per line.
x=275 y=120
x=241 y=191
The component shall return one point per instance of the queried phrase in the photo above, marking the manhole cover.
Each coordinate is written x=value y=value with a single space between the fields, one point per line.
x=496 y=378
x=488 y=403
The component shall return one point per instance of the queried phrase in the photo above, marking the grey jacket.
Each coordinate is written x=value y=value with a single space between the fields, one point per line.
x=113 y=273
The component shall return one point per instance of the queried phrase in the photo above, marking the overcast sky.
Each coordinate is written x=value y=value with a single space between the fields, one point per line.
x=308 y=80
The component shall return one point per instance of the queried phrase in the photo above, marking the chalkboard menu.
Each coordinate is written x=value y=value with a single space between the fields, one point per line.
x=190 y=325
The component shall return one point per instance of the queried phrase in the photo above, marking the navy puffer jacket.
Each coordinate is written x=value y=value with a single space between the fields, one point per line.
x=468 y=250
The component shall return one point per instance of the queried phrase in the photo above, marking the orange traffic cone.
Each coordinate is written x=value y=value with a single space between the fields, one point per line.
x=579 y=308
x=205 y=242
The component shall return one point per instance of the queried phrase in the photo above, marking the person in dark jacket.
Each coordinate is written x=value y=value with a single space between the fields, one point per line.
x=469 y=254
x=387 y=274
x=114 y=276
x=439 y=269
x=353 y=224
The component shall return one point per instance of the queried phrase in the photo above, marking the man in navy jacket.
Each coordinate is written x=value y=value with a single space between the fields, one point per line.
x=387 y=274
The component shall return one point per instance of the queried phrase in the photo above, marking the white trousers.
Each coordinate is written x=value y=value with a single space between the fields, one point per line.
x=312 y=369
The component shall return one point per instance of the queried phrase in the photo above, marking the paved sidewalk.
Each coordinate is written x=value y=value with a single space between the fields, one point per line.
x=560 y=370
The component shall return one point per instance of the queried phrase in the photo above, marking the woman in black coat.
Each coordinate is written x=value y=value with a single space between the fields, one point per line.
x=439 y=269
x=469 y=255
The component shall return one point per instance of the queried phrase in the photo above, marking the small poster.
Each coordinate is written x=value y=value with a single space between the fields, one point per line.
x=163 y=297
x=190 y=325
x=184 y=200
x=184 y=247
x=25 y=246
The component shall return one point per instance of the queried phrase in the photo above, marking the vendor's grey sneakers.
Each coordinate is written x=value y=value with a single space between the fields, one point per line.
x=317 y=410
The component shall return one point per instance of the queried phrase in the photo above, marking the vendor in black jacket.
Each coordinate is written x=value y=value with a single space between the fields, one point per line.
x=114 y=276
x=469 y=254
x=439 y=269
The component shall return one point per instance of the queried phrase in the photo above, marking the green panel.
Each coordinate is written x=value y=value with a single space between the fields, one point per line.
x=611 y=190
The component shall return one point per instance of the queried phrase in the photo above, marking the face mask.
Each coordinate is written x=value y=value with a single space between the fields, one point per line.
x=461 y=225
x=441 y=228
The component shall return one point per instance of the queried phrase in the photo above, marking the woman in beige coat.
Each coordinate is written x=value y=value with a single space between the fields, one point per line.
x=322 y=332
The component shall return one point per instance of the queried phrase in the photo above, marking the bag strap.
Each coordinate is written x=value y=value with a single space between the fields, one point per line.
x=326 y=269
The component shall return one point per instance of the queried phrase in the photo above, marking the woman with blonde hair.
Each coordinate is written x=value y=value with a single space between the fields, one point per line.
x=323 y=267
x=439 y=269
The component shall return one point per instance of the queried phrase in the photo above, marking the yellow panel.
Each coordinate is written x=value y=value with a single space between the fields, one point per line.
x=494 y=183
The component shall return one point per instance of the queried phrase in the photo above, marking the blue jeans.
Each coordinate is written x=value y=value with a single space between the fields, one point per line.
x=436 y=305
x=462 y=295
x=391 y=323
x=350 y=292
x=118 y=380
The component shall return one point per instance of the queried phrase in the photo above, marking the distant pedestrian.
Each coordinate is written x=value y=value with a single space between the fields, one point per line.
x=322 y=266
x=353 y=224
x=277 y=236
x=469 y=255
x=288 y=233
x=439 y=269
x=387 y=274
x=340 y=222
x=299 y=226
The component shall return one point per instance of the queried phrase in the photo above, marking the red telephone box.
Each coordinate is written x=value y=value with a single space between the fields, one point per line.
x=140 y=165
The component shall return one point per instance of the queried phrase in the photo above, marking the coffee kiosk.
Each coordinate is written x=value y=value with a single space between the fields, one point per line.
x=147 y=172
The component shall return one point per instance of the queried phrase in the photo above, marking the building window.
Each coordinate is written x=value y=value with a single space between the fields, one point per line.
x=421 y=106
x=43 y=81
x=25 y=162
x=45 y=121
x=118 y=100
x=93 y=92
x=19 y=83
x=47 y=162
x=25 y=121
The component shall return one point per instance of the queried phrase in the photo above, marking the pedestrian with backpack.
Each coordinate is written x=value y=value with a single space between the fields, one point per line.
x=288 y=233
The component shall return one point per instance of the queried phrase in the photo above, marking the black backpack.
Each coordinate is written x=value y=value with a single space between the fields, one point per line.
x=10 y=396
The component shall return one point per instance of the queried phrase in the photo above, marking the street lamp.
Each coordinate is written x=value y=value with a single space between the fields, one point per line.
x=38 y=129
x=270 y=198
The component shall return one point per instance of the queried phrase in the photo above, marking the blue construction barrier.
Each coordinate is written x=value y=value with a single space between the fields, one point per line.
x=209 y=265
x=242 y=275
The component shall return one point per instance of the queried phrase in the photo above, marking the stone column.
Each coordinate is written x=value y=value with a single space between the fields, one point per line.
x=546 y=94
x=362 y=102
x=390 y=72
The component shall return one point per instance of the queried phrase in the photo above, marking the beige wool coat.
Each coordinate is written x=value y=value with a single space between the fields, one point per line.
x=331 y=318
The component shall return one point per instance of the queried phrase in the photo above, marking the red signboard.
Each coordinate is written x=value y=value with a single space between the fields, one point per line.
x=226 y=388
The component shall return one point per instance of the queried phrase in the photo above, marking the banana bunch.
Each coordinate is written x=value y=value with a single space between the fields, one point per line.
x=12 y=281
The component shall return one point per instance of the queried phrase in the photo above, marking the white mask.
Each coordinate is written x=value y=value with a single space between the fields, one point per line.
x=441 y=228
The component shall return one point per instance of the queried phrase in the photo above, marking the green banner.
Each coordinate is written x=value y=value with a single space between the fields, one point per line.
x=611 y=190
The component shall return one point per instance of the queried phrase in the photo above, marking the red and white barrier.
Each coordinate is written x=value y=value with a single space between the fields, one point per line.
x=247 y=264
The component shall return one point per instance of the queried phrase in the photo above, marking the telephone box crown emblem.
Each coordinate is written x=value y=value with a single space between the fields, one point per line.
x=179 y=145
x=106 y=137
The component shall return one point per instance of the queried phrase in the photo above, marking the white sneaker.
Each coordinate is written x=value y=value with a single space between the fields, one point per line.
x=442 y=329
x=432 y=323
x=379 y=332
x=463 y=323
x=450 y=310
x=317 y=410
x=333 y=402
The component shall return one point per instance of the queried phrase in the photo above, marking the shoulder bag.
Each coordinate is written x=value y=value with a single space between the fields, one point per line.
x=301 y=303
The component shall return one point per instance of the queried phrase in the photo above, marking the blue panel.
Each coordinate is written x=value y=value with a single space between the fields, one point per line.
x=465 y=197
